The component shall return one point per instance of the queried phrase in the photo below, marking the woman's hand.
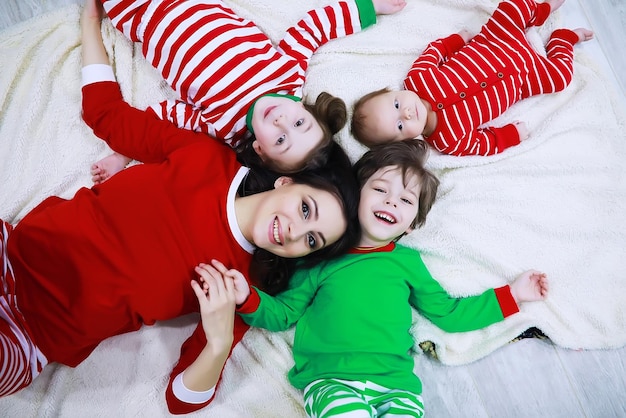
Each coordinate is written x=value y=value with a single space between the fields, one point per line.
x=92 y=47
x=217 y=307
x=93 y=10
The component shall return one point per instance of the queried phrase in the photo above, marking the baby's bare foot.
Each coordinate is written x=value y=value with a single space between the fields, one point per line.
x=522 y=130
x=555 y=4
x=583 y=34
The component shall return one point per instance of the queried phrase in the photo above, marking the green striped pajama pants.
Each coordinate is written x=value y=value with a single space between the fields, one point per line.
x=359 y=399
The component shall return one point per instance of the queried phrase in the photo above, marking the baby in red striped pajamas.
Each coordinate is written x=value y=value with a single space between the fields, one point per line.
x=234 y=84
x=459 y=83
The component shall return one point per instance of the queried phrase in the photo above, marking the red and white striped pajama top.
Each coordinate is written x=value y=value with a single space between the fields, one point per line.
x=220 y=63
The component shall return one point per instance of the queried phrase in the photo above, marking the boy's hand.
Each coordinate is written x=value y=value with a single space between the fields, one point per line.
x=530 y=286
x=242 y=289
x=387 y=7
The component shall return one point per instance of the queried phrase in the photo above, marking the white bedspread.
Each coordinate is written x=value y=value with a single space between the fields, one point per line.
x=556 y=203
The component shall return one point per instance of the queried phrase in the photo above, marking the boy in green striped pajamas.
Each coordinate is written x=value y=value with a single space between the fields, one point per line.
x=352 y=345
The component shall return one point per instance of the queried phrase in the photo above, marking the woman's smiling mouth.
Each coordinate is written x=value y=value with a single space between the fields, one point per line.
x=276 y=232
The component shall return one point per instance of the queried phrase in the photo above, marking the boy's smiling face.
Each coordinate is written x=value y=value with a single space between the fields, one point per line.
x=388 y=206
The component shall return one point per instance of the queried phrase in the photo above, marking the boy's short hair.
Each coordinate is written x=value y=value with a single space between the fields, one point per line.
x=358 y=125
x=409 y=156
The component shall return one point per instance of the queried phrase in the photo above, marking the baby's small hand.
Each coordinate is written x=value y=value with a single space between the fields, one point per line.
x=522 y=130
x=466 y=35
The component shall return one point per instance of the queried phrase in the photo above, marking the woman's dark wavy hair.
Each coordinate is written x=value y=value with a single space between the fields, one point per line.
x=331 y=114
x=273 y=272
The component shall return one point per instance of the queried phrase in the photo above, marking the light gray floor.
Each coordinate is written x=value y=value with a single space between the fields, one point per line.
x=533 y=378
x=13 y=11
x=529 y=378
x=608 y=20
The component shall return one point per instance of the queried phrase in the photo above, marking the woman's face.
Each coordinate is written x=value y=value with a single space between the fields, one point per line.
x=294 y=220
x=285 y=132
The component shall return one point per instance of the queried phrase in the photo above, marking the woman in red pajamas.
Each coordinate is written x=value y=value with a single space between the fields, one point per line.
x=123 y=254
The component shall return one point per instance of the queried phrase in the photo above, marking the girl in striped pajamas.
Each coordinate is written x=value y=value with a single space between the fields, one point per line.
x=233 y=83
x=459 y=83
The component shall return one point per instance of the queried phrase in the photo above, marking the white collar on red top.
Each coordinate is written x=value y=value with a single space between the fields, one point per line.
x=230 y=211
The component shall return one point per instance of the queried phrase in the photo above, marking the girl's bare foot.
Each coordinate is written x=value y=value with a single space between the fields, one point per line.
x=583 y=34
x=108 y=166
x=555 y=4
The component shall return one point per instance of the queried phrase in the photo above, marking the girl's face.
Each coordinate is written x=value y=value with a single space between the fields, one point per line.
x=387 y=207
x=285 y=132
x=294 y=220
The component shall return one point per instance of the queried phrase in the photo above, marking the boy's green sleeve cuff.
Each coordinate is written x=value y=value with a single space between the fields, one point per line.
x=367 y=13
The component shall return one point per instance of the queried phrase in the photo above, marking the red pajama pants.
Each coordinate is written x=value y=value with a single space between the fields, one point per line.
x=20 y=360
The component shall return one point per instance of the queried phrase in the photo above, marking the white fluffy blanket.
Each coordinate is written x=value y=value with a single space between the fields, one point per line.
x=554 y=203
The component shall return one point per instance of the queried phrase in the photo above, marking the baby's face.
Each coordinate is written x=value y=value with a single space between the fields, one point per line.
x=394 y=116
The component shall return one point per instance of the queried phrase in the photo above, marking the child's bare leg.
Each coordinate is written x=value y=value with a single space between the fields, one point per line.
x=555 y=4
x=108 y=166
x=583 y=34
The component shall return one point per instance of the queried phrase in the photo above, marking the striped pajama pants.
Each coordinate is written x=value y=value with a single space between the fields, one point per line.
x=20 y=360
x=359 y=399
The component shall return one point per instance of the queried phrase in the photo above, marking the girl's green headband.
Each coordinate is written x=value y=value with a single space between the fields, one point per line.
x=251 y=110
